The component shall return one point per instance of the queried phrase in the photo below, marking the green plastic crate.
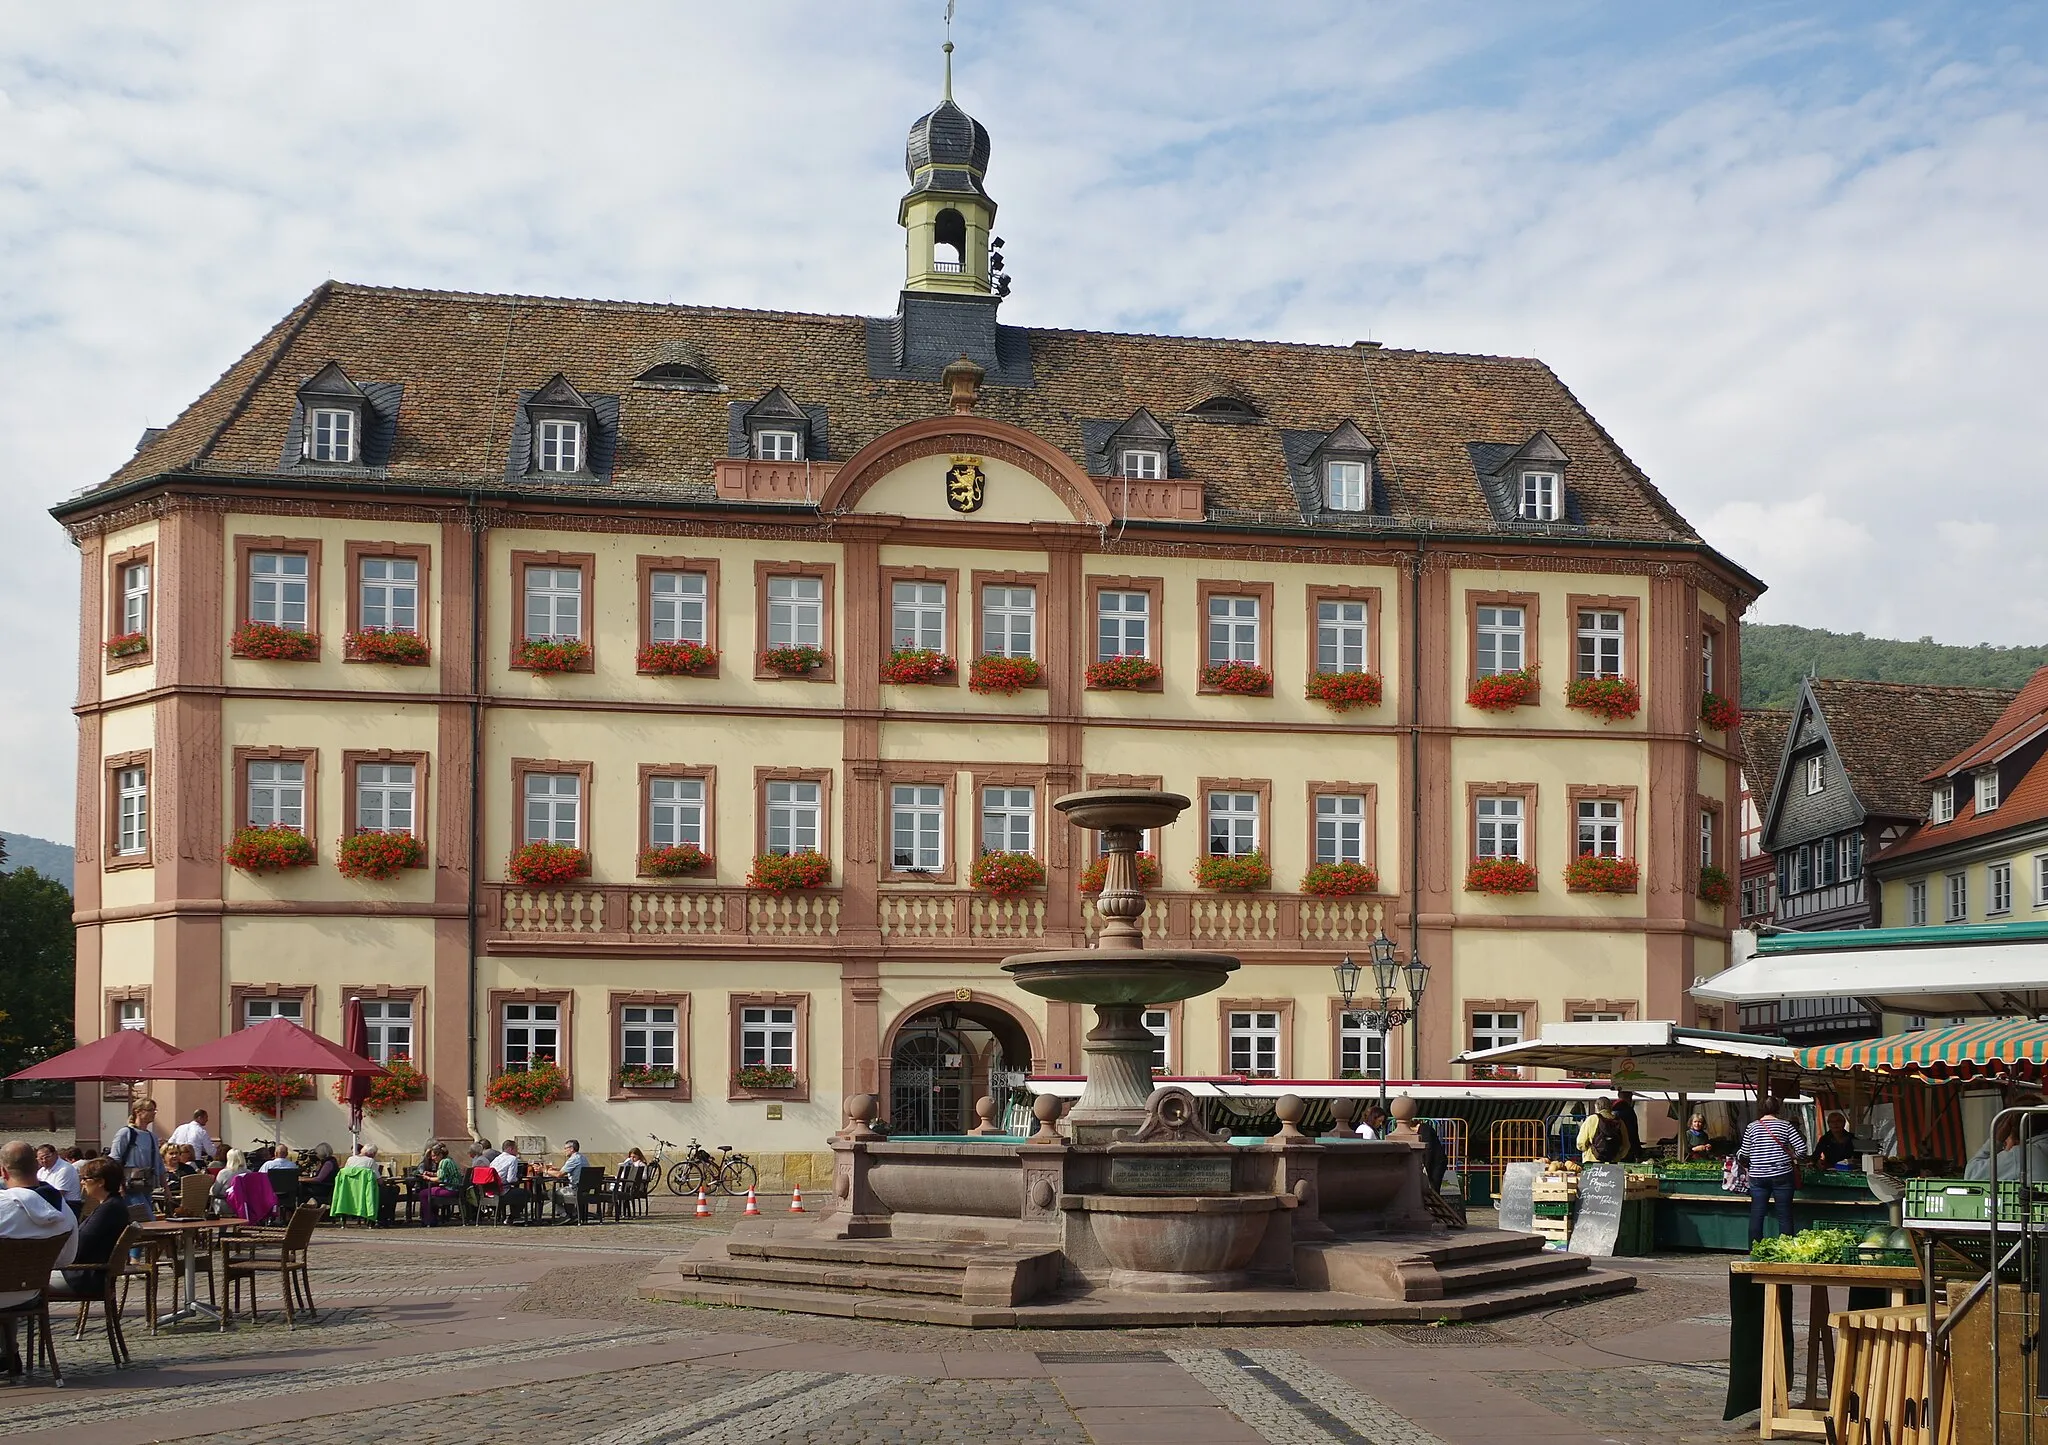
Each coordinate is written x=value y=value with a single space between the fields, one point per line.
x=1970 y=1199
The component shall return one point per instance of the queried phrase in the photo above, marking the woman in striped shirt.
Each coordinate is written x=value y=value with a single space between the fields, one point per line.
x=1771 y=1149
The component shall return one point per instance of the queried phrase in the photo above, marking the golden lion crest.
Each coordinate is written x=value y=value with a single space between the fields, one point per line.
x=966 y=484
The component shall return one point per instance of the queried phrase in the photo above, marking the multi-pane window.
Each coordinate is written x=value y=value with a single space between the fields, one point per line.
x=1987 y=791
x=386 y=797
x=1233 y=824
x=554 y=808
x=1140 y=465
x=675 y=812
x=917 y=615
x=1009 y=621
x=135 y=597
x=1540 y=496
x=1998 y=888
x=1345 y=486
x=1958 y=898
x=796 y=612
x=277 y=795
x=1255 y=1043
x=1816 y=773
x=532 y=1034
x=1823 y=862
x=768 y=1038
x=1233 y=630
x=278 y=589
x=389 y=1022
x=647 y=1036
x=1600 y=639
x=2041 y=880
x=1802 y=868
x=559 y=446
x=1123 y=624
x=554 y=604
x=1707 y=660
x=917 y=827
x=1359 y=1047
x=794 y=810
x=1500 y=640
x=389 y=593
x=131 y=812
x=1497 y=828
x=1159 y=1023
x=1007 y=820
x=1941 y=804
x=1599 y=828
x=1852 y=857
x=1340 y=828
x=263 y=1010
x=678 y=607
x=1707 y=838
x=777 y=446
x=1496 y=1030
x=1340 y=636
x=331 y=435
x=130 y=1014
x=1916 y=903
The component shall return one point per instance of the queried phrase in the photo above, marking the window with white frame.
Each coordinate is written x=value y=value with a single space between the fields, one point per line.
x=531 y=1034
x=1495 y=1030
x=678 y=607
x=135 y=597
x=558 y=446
x=1499 y=643
x=1359 y=1047
x=1340 y=828
x=1159 y=1023
x=2041 y=880
x=1141 y=465
x=277 y=795
x=387 y=796
x=768 y=1038
x=131 y=1015
x=1916 y=904
x=1233 y=824
x=278 y=589
x=917 y=615
x=388 y=594
x=554 y=604
x=1008 y=820
x=1958 y=893
x=1344 y=486
x=1802 y=868
x=1816 y=773
x=1987 y=790
x=131 y=815
x=1852 y=856
x=1707 y=660
x=1707 y=830
x=1823 y=862
x=331 y=435
x=675 y=812
x=1998 y=888
x=263 y=1010
x=778 y=446
x=1123 y=624
x=1233 y=630
x=1540 y=496
x=1599 y=834
x=917 y=827
x=647 y=1036
x=1341 y=636
x=389 y=1024
x=1497 y=828
x=795 y=812
x=554 y=809
x=796 y=612
x=1009 y=621
x=1600 y=637
x=1941 y=804
x=1255 y=1043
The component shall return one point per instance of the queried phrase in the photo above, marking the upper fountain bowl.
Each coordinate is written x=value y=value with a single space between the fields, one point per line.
x=1101 y=808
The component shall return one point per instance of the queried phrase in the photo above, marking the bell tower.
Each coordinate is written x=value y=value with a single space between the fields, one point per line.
x=946 y=216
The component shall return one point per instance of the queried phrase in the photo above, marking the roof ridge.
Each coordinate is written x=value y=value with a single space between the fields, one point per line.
x=1944 y=687
x=515 y=298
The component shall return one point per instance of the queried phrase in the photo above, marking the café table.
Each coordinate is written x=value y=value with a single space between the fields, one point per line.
x=1780 y=1417
x=186 y=1234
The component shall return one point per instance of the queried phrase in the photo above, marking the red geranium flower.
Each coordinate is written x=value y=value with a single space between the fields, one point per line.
x=994 y=673
x=1342 y=691
x=1504 y=691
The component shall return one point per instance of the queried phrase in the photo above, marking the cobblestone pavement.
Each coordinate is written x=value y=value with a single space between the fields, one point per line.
x=462 y=1335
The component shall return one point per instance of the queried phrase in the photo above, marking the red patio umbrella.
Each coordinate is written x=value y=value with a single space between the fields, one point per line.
x=121 y=1057
x=277 y=1049
x=355 y=1034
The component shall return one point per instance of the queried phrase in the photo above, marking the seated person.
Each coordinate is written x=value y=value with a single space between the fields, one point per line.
x=1836 y=1145
x=59 y=1173
x=573 y=1165
x=238 y=1163
x=365 y=1157
x=440 y=1183
x=511 y=1172
x=2015 y=1160
x=279 y=1161
x=319 y=1181
x=104 y=1218
x=180 y=1161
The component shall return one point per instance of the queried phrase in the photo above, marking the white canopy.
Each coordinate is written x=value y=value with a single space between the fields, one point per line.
x=1958 y=980
x=1652 y=1051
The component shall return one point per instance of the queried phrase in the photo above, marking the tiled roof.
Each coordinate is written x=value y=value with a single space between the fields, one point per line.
x=2023 y=720
x=1763 y=746
x=1890 y=734
x=464 y=359
x=2025 y=800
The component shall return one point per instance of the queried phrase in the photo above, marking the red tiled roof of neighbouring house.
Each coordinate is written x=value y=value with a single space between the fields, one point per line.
x=1889 y=734
x=2023 y=720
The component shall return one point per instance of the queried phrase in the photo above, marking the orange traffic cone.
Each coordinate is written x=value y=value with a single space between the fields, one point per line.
x=752 y=1206
x=703 y=1205
x=796 y=1203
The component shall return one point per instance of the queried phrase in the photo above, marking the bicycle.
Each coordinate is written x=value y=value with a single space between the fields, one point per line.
x=730 y=1173
x=676 y=1175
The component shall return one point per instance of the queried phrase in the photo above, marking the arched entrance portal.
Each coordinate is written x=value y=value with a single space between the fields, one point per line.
x=944 y=1057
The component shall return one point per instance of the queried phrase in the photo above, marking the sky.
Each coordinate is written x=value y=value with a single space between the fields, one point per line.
x=1790 y=254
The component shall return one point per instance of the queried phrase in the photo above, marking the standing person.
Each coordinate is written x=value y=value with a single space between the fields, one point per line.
x=135 y=1149
x=1625 y=1115
x=1699 y=1144
x=25 y=1214
x=1771 y=1149
x=1836 y=1145
x=192 y=1134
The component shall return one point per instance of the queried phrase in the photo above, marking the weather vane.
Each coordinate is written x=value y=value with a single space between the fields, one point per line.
x=949 y=47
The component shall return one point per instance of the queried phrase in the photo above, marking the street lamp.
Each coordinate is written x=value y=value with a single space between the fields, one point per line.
x=1387 y=971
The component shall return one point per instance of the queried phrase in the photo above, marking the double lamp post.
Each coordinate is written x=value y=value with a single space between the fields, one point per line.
x=1387 y=971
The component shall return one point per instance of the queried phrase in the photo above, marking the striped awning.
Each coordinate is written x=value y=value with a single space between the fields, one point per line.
x=1996 y=1048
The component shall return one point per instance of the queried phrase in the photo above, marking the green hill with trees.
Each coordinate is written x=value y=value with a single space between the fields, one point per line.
x=1776 y=655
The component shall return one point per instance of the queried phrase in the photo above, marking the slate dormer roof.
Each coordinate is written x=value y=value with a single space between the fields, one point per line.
x=1105 y=442
x=375 y=404
x=1499 y=467
x=777 y=410
x=1306 y=451
x=560 y=397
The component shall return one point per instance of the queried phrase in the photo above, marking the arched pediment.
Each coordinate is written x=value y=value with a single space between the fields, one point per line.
x=904 y=473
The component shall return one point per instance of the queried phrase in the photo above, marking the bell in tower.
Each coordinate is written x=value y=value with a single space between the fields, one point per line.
x=946 y=216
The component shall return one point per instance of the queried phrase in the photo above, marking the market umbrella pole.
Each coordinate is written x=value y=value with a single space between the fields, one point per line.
x=355 y=1037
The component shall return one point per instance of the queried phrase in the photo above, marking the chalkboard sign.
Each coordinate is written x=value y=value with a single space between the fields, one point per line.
x=1602 y=1188
x=1517 y=1196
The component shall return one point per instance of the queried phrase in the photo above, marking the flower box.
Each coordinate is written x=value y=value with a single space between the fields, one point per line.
x=1343 y=691
x=267 y=642
x=918 y=667
x=1719 y=713
x=521 y=1091
x=400 y=1084
x=1096 y=874
x=383 y=644
x=543 y=655
x=677 y=860
x=274 y=849
x=1715 y=885
x=1004 y=875
x=1613 y=699
x=128 y=644
x=1505 y=691
x=1244 y=679
x=1233 y=875
x=378 y=855
x=793 y=661
x=1339 y=880
x=677 y=659
x=266 y=1094
x=995 y=674
x=1500 y=876
x=789 y=872
x=547 y=865
x=637 y=1076
x=763 y=1076
x=1123 y=674
x=1594 y=873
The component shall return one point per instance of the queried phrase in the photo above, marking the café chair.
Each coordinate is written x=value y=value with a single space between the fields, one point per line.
x=195 y=1197
x=284 y=1183
x=485 y=1196
x=590 y=1195
x=25 y=1265
x=106 y=1293
x=284 y=1256
x=356 y=1195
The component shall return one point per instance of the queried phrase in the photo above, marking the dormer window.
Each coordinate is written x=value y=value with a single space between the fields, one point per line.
x=1987 y=791
x=558 y=446
x=562 y=430
x=1525 y=483
x=1142 y=465
x=333 y=412
x=1541 y=492
x=331 y=435
x=1941 y=804
x=1338 y=472
x=776 y=429
x=778 y=446
x=1345 y=488
x=1139 y=449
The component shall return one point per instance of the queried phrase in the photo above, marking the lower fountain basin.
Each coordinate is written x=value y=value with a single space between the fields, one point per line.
x=1178 y=1244
x=1084 y=975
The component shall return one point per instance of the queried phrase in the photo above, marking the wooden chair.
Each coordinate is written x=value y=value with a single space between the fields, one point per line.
x=105 y=1292
x=285 y=1257
x=25 y=1265
x=195 y=1197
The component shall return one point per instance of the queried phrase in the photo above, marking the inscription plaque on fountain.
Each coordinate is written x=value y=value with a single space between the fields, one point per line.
x=1178 y=1175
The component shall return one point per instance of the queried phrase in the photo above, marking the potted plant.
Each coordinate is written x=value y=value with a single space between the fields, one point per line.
x=128 y=644
x=1505 y=691
x=521 y=1091
x=918 y=667
x=1614 y=699
x=676 y=860
x=400 y=1084
x=641 y=1076
x=547 y=655
x=1343 y=691
x=1714 y=885
x=378 y=855
x=1005 y=875
x=1719 y=713
x=789 y=872
x=793 y=661
x=1500 y=876
x=763 y=1076
x=677 y=659
x=266 y=1094
x=1596 y=873
x=1123 y=674
x=547 y=865
x=1219 y=874
x=1244 y=679
x=1339 y=880
x=267 y=642
x=1096 y=874
x=385 y=644
x=993 y=673
x=271 y=849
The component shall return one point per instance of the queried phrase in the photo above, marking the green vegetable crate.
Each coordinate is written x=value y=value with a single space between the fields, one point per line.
x=1969 y=1200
